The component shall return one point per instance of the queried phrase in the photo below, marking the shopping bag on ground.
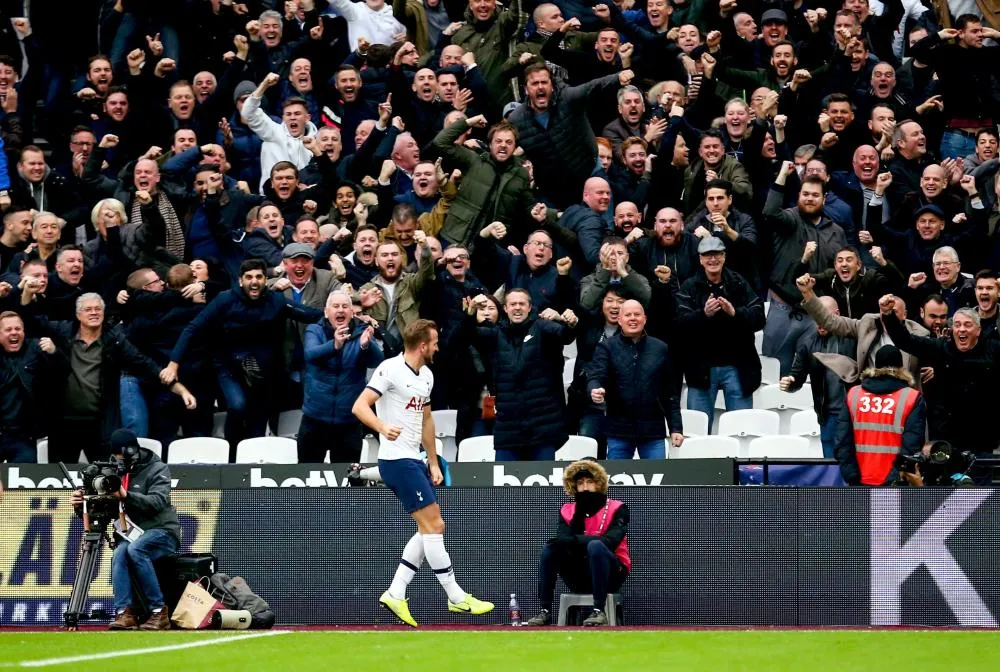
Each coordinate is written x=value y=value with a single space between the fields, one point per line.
x=196 y=606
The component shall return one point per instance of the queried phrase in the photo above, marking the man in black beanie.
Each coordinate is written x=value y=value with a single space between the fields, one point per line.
x=884 y=416
x=590 y=551
x=154 y=532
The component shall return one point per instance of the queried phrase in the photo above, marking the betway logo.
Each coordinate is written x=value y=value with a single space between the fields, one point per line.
x=17 y=481
x=501 y=477
x=893 y=562
x=316 y=479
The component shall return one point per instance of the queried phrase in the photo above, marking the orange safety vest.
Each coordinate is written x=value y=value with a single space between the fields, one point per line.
x=878 y=421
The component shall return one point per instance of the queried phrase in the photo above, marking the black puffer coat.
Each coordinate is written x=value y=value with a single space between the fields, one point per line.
x=527 y=369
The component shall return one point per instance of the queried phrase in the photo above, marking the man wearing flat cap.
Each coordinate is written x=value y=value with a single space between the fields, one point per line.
x=590 y=549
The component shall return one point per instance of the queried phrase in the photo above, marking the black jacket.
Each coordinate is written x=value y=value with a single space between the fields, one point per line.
x=24 y=377
x=820 y=377
x=642 y=387
x=962 y=415
x=527 y=369
x=646 y=254
x=719 y=340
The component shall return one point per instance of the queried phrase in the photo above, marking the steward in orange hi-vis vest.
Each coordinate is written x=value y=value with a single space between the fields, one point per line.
x=882 y=417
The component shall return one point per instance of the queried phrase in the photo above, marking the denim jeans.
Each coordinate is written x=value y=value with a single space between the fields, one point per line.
x=828 y=434
x=723 y=378
x=592 y=425
x=134 y=409
x=18 y=450
x=135 y=559
x=131 y=35
x=246 y=409
x=593 y=568
x=623 y=449
x=955 y=145
x=538 y=454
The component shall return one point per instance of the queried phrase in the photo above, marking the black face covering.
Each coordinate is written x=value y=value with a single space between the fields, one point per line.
x=590 y=502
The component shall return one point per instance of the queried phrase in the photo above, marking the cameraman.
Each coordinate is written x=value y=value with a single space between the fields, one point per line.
x=145 y=493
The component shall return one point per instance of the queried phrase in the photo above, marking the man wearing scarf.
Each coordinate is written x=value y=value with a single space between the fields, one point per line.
x=590 y=550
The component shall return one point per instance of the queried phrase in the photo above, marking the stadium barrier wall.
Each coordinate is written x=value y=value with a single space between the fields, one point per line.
x=703 y=556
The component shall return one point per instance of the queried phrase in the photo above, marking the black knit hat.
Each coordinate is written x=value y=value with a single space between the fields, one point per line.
x=888 y=357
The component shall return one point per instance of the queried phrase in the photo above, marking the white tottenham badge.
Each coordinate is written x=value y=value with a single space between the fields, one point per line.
x=893 y=562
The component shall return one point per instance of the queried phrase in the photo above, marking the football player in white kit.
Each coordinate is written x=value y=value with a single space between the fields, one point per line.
x=400 y=390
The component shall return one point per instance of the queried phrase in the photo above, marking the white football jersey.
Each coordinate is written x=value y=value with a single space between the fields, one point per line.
x=403 y=393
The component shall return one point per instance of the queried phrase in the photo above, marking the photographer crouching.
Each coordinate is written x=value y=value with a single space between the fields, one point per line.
x=590 y=551
x=153 y=532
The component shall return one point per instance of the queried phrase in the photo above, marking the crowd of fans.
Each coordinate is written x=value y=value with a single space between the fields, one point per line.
x=219 y=205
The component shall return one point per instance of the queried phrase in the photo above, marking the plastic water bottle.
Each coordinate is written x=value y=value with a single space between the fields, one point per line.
x=515 y=611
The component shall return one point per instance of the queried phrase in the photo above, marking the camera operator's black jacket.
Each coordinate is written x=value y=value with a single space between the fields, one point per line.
x=148 y=501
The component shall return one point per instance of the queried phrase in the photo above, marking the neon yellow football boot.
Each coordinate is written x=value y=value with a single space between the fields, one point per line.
x=399 y=607
x=470 y=605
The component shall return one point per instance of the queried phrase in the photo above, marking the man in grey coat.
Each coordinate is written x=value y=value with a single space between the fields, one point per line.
x=614 y=270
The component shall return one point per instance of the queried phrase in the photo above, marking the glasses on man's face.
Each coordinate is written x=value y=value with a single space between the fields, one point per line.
x=944 y=264
x=158 y=281
x=540 y=243
x=457 y=257
x=81 y=143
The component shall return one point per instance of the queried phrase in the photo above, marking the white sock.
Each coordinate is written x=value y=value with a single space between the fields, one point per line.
x=440 y=562
x=413 y=557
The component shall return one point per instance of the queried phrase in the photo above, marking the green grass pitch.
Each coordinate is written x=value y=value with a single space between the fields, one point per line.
x=515 y=650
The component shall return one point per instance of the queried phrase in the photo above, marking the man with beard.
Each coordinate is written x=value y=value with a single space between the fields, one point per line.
x=392 y=298
x=351 y=109
x=554 y=131
x=735 y=229
x=245 y=330
x=338 y=353
x=115 y=120
x=281 y=142
x=934 y=316
x=493 y=186
x=589 y=551
x=782 y=66
x=714 y=164
x=670 y=247
x=631 y=110
x=97 y=83
x=856 y=289
x=204 y=85
x=957 y=290
x=25 y=365
x=360 y=263
x=801 y=237
x=582 y=65
x=269 y=238
x=630 y=178
x=987 y=297
x=627 y=218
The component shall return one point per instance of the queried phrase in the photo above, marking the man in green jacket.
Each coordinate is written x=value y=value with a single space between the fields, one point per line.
x=392 y=298
x=489 y=34
x=494 y=186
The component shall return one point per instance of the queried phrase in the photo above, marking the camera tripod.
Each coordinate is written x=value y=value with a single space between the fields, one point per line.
x=96 y=518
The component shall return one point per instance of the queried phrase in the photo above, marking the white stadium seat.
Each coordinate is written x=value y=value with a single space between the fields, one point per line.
x=445 y=427
x=770 y=397
x=577 y=448
x=770 y=370
x=568 y=367
x=758 y=340
x=748 y=422
x=152 y=444
x=43 y=451
x=477 y=449
x=569 y=351
x=804 y=423
x=705 y=446
x=198 y=450
x=267 y=450
x=695 y=422
x=288 y=424
x=776 y=447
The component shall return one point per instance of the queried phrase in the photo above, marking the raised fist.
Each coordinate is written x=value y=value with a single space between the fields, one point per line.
x=564 y=265
x=108 y=141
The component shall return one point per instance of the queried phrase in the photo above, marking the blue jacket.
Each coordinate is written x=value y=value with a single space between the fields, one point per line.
x=334 y=378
